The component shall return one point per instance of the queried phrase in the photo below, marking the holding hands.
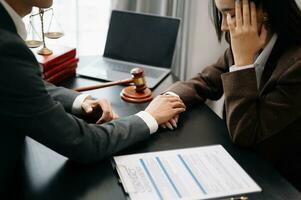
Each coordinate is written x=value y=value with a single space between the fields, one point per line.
x=247 y=39
x=165 y=107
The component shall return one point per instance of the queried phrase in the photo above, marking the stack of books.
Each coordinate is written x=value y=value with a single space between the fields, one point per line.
x=58 y=66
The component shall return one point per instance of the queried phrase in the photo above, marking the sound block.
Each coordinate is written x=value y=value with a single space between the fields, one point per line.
x=129 y=94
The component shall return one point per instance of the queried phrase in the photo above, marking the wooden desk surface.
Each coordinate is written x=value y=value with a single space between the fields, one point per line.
x=49 y=175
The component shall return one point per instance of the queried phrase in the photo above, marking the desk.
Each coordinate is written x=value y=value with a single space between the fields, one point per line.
x=48 y=175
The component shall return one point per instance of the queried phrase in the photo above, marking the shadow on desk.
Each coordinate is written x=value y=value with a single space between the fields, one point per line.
x=74 y=181
x=71 y=180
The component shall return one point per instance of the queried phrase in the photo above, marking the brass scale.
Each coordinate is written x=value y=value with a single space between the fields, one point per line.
x=34 y=43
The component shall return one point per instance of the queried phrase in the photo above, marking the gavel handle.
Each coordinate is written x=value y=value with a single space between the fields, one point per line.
x=103 y=85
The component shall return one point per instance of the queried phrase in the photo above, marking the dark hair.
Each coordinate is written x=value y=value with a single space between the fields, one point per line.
x=284 y=18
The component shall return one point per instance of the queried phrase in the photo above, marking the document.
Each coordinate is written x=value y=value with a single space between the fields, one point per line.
x=193 y=173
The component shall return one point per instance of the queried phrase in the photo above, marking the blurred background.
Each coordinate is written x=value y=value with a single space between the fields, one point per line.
x=85 y=25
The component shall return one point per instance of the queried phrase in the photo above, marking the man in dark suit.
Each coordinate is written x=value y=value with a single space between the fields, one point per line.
x=29 y=106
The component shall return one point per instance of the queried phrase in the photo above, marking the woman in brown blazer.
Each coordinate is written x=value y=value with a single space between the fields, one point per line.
x=260 y=76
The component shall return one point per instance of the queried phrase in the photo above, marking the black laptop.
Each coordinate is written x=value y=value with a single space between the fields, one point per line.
x=136 y=40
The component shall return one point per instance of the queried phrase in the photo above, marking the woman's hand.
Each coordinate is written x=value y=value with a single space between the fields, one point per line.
x=171 y=124
x=246 y=40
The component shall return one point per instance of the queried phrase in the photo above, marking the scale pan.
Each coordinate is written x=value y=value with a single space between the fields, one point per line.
x=33 y=43
x=54 y=35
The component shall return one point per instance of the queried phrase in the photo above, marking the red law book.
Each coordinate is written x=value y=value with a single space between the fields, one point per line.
x=71 y=63
x=60 y=54
x=62 y=75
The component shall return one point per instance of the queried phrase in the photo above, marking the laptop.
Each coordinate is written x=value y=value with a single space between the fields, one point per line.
x=136 y=40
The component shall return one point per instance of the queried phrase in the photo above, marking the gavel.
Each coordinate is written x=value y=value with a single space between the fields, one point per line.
x=137 y=93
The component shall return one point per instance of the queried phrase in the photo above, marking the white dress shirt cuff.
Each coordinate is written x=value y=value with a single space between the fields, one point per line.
x=171 y=93
x=234 y=68
x=77 y=104
x=149 y=120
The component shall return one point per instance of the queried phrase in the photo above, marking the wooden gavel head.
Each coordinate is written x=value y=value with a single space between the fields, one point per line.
x=138 y=79
x=138 y=93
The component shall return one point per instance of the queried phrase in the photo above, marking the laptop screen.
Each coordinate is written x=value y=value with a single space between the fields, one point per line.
x=141 y=38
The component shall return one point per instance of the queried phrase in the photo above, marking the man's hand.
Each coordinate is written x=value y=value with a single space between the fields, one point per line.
x=164 y=107
x=100 y=109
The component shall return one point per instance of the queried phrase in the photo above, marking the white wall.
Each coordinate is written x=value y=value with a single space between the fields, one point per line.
x=204 y=48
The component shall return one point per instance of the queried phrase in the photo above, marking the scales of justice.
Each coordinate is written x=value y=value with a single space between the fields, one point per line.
x=35 y=43
x=136 y=92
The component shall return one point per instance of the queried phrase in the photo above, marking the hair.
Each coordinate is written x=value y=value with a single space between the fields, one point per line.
x=284 y=18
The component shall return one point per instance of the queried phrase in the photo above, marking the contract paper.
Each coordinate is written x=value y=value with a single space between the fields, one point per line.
x=193 y=173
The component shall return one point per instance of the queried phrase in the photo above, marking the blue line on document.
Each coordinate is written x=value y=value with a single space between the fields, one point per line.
x=151 y=178
x=191 y=173
x=168 y=177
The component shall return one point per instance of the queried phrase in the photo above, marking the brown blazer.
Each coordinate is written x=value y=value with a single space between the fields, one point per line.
x=267 y=119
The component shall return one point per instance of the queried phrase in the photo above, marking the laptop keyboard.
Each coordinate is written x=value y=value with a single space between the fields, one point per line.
x=153 y=73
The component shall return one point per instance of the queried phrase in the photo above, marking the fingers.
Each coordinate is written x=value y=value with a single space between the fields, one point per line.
x=230 y=23
x=115 y=115
x=178 y=104
x=246 y=13
x=175 y=101
x=102 y=120
x=164 y=108
x=87 y=108
x=105 y=117
x=245 y=16
x=107 y=112
x=171 y=98
x=163 y=126
x=238 y=15
x=100 y=108
x=171 y=124
x=176 y=118
x=168 y=125
x=179 y=110
x=253 y=15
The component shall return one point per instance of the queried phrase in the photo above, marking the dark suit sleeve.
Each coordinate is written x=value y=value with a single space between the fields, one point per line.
x=206 y=84
x=63 y=95
x=31 y=110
